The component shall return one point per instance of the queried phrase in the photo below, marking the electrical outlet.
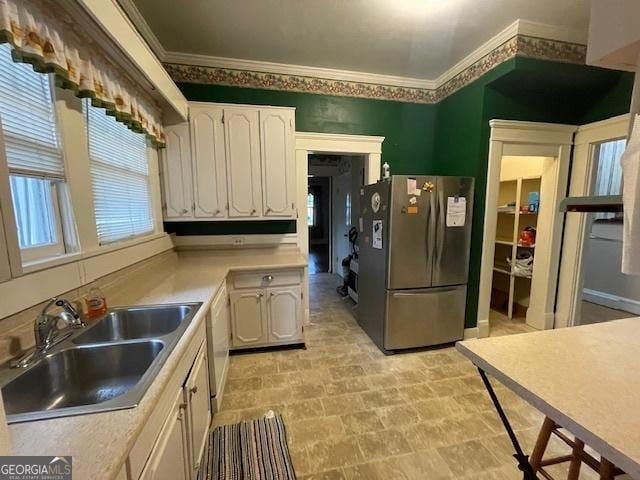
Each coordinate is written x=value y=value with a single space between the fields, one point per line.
x=238 y=240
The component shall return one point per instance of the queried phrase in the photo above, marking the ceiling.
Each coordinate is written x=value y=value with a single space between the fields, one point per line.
x=407 y=38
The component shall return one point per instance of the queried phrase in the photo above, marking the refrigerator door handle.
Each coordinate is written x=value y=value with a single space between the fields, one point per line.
x=423 y=292
x=431 y=225
x=441 y=226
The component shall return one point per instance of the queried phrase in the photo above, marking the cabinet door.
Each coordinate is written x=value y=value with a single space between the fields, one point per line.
x=248 y=325
x=196 y=390
x=176 y=173
x=278 y=162
x=220 y=331
x=243 y=162
x=209 y=164
x=169 y=459
x=284 y=307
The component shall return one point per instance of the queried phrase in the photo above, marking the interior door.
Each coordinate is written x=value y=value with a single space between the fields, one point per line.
x=241 y=127
x=169 y=459
x=278 y=163
x=196 y=391
x=176 y=172
x=247 y=316
x=209 y=164
x=284 y=313
x=411 y=231
x=341 y=192
x=451 y=252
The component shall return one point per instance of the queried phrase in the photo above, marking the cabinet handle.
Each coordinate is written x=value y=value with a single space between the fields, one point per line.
x=259 y=295
x=268 y=278
x=217 y=212
x=271 y=294
x=253 y=212
x=268 y=210
x=184 y=211
x=194 y=390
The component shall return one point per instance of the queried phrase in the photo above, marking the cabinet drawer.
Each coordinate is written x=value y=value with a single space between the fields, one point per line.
x=275 y=278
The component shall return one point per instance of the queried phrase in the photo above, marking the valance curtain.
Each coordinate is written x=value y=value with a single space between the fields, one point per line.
x=49 y=44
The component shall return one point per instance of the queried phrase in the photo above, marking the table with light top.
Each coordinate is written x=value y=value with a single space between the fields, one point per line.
x=585 y=379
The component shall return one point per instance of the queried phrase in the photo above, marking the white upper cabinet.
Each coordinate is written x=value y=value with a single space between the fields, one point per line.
x=231 y=162
x=278 y=168
x=243 y=160
x=209 y=162
x=176 y=173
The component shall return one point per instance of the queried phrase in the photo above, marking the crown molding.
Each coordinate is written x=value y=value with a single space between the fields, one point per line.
x=520 y=38
x=298 y=70
x=131 y=10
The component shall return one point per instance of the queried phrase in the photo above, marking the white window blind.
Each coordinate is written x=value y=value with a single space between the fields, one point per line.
x=28 y=120
x=120 y=175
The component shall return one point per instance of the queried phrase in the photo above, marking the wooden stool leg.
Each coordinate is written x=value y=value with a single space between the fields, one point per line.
x=576 y=460
x=607 y=469
x=541 y=443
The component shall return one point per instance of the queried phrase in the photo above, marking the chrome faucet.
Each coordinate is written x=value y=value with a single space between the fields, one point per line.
x=46 y=332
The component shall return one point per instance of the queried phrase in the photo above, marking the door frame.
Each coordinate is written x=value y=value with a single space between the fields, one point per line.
x=571 y=279
x=534 y=139
x=370 y=147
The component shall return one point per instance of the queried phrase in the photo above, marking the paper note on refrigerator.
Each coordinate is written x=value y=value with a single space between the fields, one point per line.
x=456 y=211
x=377 y=234
x=411 y=186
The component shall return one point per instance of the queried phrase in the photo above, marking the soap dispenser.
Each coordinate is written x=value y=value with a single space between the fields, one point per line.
x=96 y=303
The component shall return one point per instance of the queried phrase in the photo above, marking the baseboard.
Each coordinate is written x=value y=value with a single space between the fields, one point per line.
x=611 y=301
x=481 y=330
x=470 y=333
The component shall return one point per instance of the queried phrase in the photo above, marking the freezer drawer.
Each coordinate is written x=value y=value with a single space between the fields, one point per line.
x=424 y=317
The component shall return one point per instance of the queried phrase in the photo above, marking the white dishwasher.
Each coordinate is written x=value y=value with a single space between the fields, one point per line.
x=218 y=335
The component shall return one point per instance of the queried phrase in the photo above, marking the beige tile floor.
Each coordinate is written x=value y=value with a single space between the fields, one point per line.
x=353 y=413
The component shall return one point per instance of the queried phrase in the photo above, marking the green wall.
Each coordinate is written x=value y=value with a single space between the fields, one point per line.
x=452 y=137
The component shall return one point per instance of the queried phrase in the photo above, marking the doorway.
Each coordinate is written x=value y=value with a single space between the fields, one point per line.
x=309 y=143
x=334 y=182
x=523 y=225
x=592 y=288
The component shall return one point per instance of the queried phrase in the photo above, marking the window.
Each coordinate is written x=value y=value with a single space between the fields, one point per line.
x=311 y=209
x=120 y=175
x=608 y=174
x=34 y=157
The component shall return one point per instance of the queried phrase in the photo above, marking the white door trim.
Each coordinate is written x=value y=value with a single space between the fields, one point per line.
x=511 y=137
x=571 y=280
x=340 y=144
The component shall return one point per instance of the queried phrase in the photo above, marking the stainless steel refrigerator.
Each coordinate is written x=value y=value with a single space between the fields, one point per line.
x=415 y=235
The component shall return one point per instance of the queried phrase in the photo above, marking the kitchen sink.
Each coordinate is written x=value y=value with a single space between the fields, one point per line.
x=135 y=322
x=106 y=366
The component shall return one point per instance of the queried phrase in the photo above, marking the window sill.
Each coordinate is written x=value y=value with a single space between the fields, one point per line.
x=44 y=264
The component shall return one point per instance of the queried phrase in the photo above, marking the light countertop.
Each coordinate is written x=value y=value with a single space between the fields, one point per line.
x=100 y=442
x=585 y=378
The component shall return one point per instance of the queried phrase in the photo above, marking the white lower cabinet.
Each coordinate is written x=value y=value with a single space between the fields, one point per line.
x=247 y=318
x=196 y=395
x=172 y=442
x=169 y=459
x=266 y=308
x=284 y=310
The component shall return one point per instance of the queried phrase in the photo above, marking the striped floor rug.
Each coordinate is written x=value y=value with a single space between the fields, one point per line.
x=250 y=450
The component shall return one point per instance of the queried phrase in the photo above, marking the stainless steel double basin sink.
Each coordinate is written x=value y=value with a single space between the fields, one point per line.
x=106 y=366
